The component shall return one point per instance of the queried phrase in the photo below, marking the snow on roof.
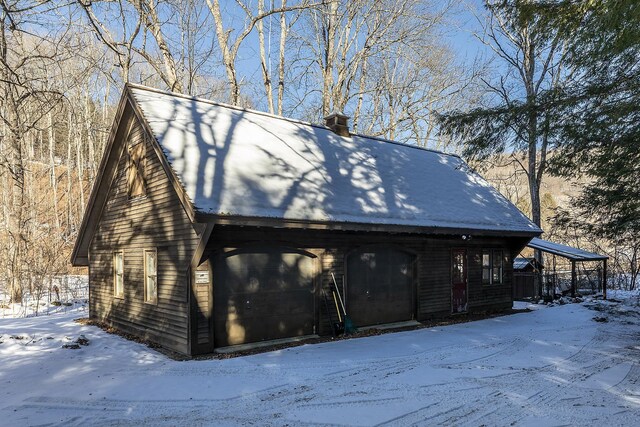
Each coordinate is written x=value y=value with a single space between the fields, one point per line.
x=520 y=263
x=246 y=163
x=569 y=252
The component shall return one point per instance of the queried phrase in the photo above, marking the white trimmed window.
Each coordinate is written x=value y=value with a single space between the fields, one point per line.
x=118 y=274
x=151 y=276
x=136 y=171
x=492 y=267
x=486 y=267
x=497 y=267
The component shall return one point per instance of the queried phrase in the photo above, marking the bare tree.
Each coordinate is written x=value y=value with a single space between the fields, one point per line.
x=230 y=46
x=196 y=49
x=25 y=100
x=166 y=66
x=384 y=61
x=122 y=47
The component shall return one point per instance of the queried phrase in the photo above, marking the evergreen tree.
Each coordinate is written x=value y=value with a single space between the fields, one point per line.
x=600 y=107
x=513 y=119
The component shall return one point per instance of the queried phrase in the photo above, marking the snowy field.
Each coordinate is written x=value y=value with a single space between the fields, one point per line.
x=72 y=295
x=553 y=366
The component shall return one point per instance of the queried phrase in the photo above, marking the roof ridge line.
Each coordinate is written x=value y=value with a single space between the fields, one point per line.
x=417 y=147
x=222 y=104
x=275 y=116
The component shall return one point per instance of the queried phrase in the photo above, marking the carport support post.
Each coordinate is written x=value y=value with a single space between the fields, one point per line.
x=537 y=255
x=573 y=279
x=604 y=278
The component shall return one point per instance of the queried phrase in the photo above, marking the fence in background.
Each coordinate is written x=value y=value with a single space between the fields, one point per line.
x=64 y=293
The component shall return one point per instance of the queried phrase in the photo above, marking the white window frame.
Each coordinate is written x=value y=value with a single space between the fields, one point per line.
x=488 y=267
x=493 y=253
x=150 y=299
x=118 y=291
x=136 y=171
x=500 y=254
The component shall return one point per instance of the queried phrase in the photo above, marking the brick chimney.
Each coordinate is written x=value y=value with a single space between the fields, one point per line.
x=338 y=123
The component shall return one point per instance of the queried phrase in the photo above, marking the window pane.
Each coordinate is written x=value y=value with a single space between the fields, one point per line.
x=152 y=289
x=497 y=266
x=119 y=263
x=486 y=259
x=486 y=275
x=458 y=267
x=118 y=276
x=151 y=263
x=486 y=267
x=150 y=280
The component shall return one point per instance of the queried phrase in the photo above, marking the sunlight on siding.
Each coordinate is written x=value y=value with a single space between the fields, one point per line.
x=235 y=330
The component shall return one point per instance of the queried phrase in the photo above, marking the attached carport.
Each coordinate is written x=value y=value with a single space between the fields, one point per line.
x=574 y=255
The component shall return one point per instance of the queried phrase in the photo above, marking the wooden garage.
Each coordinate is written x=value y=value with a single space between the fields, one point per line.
x=212 y=226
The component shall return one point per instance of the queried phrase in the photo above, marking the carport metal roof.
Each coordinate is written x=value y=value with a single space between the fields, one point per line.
x=573 y=254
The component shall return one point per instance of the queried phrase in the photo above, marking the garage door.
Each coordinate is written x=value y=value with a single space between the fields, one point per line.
x=262 y=294
x=380 y=286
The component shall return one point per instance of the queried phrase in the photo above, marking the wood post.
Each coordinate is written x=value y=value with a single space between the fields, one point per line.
x=555 y=278
x=604 y=279
x=573 y=279
x=193 y=347
x=537 y=254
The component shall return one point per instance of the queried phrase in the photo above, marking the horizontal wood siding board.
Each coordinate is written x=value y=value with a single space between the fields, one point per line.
x=155 y=221
x=170 y=341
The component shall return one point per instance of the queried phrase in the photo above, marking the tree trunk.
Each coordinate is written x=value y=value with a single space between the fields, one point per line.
x=152 y=22
x=227 y=58
x=281 y=61
x=264 y=61
x=329 y=33
x=52 y=165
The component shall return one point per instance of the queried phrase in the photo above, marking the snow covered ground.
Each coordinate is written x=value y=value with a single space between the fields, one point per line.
x=553 y=366
x=73 y=294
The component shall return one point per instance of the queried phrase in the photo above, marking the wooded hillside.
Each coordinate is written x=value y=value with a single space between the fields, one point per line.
x=391 y=65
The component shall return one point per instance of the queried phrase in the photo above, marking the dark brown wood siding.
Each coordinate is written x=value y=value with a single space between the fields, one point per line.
x=489 y=296
x=433 y=258
x=157 y=220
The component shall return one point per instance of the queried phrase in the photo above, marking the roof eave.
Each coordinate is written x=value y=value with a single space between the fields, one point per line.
x=575 y=257
x=80 y=252
x=247 y=221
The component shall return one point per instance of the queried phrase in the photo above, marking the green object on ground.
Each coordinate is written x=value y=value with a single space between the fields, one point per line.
x=349 y=327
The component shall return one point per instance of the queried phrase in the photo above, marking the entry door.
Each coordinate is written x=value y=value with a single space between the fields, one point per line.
x=380 y=286
x=458 y=280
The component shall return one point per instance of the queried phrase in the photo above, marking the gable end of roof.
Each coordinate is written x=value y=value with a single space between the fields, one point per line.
x=127 y=113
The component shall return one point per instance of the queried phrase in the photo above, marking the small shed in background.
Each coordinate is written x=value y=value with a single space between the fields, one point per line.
x=526 y=273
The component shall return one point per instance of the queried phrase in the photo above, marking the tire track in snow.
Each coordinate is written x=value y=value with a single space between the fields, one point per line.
x=510 y=348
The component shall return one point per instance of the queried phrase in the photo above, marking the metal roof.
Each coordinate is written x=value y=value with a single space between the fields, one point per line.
x=247 y=164
x=520 y=263
x=574 y=254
